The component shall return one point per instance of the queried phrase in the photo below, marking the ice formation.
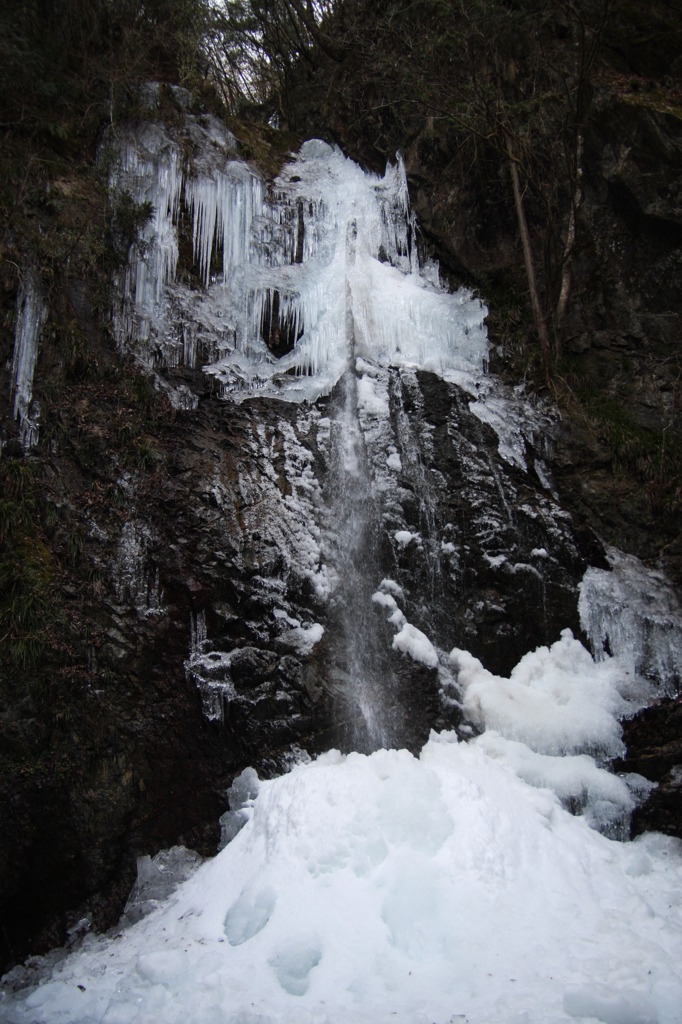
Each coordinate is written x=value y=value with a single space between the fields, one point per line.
x=633 y=613
x=295 y=278
x=31 y=313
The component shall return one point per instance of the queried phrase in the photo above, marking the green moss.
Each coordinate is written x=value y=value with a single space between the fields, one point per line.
x=29 y=608
x=646 y=460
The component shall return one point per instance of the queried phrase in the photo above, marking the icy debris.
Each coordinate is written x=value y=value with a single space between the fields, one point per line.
x=31 y=315
x=241 y=794
x=157 y=878
x=633 y=613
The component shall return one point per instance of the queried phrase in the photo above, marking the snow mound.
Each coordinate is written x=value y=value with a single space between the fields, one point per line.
x=389 y=888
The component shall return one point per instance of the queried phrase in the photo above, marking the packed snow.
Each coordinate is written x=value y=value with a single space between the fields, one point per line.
x=452 y=886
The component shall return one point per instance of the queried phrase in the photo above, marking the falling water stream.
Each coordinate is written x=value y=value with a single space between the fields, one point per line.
x=360 y=671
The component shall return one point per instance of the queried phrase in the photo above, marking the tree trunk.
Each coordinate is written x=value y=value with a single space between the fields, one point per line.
x=566 y=271
x=540 y=325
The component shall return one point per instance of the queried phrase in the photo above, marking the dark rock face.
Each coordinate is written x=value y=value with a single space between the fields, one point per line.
x=617 y=462
x=655 y=751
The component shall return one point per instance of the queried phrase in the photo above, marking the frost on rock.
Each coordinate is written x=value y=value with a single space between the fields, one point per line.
x=633 y=613
x=136 y=579
x=294 y=278
x=209 y=670
x=31 y=313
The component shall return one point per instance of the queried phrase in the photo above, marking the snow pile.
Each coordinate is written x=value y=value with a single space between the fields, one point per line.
x=558 y=711
x=409 y=640
x=634 y=614
x=557 y=701
x=412 y=641
x=390 y=888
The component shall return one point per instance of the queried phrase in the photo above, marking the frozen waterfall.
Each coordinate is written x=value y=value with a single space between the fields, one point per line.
x=481 y=879
x=277 y=279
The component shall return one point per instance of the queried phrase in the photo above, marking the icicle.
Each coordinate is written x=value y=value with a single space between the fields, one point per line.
x=223 y=209
x=287 y=249
x=633 y=613
x=31 y=314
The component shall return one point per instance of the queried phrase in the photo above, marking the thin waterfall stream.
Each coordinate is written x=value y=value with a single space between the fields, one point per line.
x=355 y=536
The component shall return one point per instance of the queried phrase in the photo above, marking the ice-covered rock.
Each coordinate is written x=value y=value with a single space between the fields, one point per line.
x=634 y=614
x=31 y=314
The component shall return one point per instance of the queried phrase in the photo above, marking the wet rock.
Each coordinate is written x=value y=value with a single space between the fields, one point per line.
x=654 y=749
x=249 y=667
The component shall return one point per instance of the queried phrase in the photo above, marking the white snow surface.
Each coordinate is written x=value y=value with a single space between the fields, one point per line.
x=412 y=641
x=557 y=701
x=447 y=887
